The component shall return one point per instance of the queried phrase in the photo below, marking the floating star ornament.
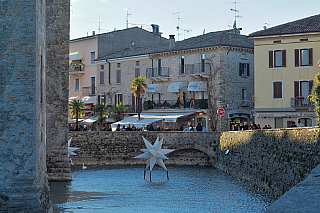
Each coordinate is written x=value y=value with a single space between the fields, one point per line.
x=71 y=150
x=154 y=155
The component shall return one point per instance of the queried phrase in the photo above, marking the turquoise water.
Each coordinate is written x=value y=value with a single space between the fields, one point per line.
x=123 y=189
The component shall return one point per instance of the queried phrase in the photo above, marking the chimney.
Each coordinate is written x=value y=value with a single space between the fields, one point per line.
x=93 y=33
x=171 y=41
x=155 y=28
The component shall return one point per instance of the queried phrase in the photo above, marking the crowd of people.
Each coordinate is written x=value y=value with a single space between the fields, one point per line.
x=245 y=126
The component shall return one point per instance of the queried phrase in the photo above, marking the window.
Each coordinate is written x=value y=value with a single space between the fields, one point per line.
x=303 y=39
x=278 y=123
x=118 y=65
x=76 y=84
x=137 y=63
x=244 y=69
x=277 y=42
x=92 y=57
x=302 y=88
x=102 y=99
x=159 y=67
x=277 y=58
x=277 y=89
x=93 y=85
x=244 y=97
x=118 y=76
x=102 y=78
x=182 y=65
x=303 y=57
x=203 y=57
x=101 y=67
x=137 y=72
x=118 y=98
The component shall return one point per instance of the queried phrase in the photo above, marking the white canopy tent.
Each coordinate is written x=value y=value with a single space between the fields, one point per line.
x=176 y=86
x=151 y=117
x=195 y=86
x=89 y=100
x=73 y=98
x=90 y=120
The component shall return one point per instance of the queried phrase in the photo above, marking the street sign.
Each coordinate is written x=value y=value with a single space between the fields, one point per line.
x=220 y=111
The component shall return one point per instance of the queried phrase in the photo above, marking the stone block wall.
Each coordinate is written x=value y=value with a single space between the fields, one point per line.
x=24 y=186
x=57 y=86
x=271 y=160
x=120 y=148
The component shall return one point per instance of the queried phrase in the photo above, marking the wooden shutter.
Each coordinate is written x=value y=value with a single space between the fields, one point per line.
x=270 y=58
x=284 y=58
x=137 y=72
x=310 y=86
x=115 y=99
x=101 y=78
x=277 y=89
x=99 y=99
x=121 y=98
x=133 y=100
x=296 y=58
x=240 y=69
x=248 y=73
x=310 y=57
x=296 y=89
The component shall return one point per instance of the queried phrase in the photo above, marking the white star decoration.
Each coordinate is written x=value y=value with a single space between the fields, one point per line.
x=154 y=154
x=71 y=150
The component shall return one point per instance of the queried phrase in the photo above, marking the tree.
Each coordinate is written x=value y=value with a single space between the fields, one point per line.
x=118 y=111
x=138 y=87
x=100 y=110
x=76 y=108
x=315 y=97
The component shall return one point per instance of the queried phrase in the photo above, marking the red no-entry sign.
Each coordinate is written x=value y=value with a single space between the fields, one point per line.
x=220 y=111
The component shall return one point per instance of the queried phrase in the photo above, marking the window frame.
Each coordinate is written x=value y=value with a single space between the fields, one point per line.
x=272 y=58
x=92 y=62
x=244 y=69
x=118 y=76
x=101 y=78
x=74 y=87
x=273 y=90
x=298 y=57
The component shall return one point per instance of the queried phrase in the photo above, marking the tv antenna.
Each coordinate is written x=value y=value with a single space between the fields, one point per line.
x=99 y=29
x=178 y=27
x=127 y=16
x=235 y=14
x=265 y=25
x=186 y=31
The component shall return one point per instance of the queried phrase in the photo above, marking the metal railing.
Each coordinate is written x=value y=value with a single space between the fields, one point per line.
x=75 y=68
x=300 y=103
x=199 y=68
x=157 y=72
x=89 y=90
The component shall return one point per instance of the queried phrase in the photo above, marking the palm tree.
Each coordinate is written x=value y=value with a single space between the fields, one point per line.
x=76 y=108
x=100 y=110
x=117 y=111
x=138 y=87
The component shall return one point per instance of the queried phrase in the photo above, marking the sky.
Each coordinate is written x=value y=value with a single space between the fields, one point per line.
x=192 y=16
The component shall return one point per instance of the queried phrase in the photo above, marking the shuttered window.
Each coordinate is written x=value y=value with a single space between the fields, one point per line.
x=303 y=57
x=244 y=69
x=101 y=78
x=277 y=58
x=277 y=89
x=137 y=72
x=118 y=76
x=92 y=57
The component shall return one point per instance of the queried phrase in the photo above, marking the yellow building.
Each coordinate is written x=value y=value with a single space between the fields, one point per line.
x=285 y=61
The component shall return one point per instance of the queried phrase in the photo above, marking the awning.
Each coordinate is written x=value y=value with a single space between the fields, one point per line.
x=151 y=117
x=73 y=98
x=175 y=86
x=157 y=88
x=76 y=56
x=89 y=121
x=73 y=120
x=89 y=100
x=109 y=120
x=197 y=86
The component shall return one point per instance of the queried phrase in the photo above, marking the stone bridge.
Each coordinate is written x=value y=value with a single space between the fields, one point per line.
x=120 y=148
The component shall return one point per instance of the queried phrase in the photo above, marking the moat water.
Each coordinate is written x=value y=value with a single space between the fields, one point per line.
x=123 y=189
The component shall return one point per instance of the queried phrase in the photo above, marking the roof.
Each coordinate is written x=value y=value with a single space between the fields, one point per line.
x=219 y=38
x=305 y=25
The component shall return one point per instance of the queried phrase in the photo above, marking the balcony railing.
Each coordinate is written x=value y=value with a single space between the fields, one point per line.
x=76 y=68
x=89 y=90
x=190 y=69
x=157 y=72
x=301 y=102
x=174 y=104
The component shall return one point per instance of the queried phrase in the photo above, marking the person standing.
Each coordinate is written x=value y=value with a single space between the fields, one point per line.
x=191 y=127
x=199 y=128
x=245 y=126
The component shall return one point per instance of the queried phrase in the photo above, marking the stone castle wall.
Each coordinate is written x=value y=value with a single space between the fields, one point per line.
x=24 y=186
x=271 y=160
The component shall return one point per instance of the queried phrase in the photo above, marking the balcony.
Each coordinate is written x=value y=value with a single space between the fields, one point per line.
x=76 y=68
x=89 y=91
x=158 y=73
x=196 y=70
x=174 y=104
x=301 y=103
